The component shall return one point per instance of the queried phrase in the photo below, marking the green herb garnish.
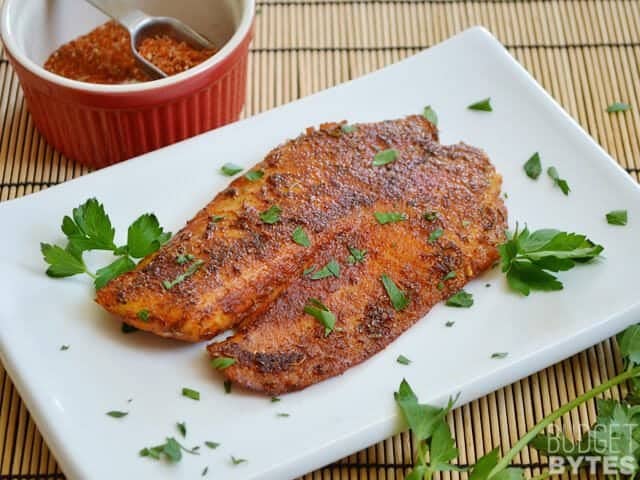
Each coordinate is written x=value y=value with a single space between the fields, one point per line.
x=430 y=114
x=398 y=298
x=206 y=469
x=230 y=169
x=616 y=107
x=271 y=215
x=237 y=461
x=482 y=105
x=300 y=237
x=450 y=275
x=384 y=157
x=461 y=299
x=275 y=399
x=117 y=414
x=220 y=363
x=435 y=235
x=190 y=393
x=527 y=258
x=143 y=315
x=617 y=217
x=193 y=268
x=356 y=256
x=430 y=216
x=560 y=182
x=212 y=445
x=499 y=355
x=533 y=167
x=182 y=427
x=64 y=348
x=321 y=312
x=254 y=175
x=402 y=360
x=449 y=323
x=331 y=269
x=348 y=128
x=282 y=415
x=182 y=258
x=389 y=217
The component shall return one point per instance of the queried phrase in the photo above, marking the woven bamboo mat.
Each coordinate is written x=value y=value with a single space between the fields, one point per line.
x=586 y=53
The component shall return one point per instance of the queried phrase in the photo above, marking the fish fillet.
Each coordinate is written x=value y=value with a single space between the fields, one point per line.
x=283 y=349
x=227 y=265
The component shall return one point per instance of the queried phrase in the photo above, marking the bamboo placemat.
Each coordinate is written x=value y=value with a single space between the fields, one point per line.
x=586 y=53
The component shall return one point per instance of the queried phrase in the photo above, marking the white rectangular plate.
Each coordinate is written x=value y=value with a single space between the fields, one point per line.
x=68 y=392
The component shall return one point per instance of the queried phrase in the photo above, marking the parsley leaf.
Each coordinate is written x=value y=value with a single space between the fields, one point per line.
x=421 y=419
x=254 y=175
x=461 y=299
x=560 y=182
x=389 y=217
x=145 y=236
x=212 y=445
x=182 y=258
x=90 y=228
x=182 y=428
x=283 y=415
x=430 y=114
x=616 y=107
x=321 y=312
x=117 y=414
x=482 y=105
x=190 y=393
x=64 y=348
x=528 y=257
x=499 y=355
x=430 y=216
x=172 y=451
x=402 y=360
x=348 y=128
x=143 y=315
x=384 y=157
x=271 y=215
x=193 y=268
x=61 y=262
x=275 y=399
x=533 y=167
x=617 y=217
x=230 y=169
x=237 y=461
x=220 y=363
x=331 y=269
x=398 y=298
x=300 y=237
x=357 y=256
x=105 y=274
x=435 y=235
x=450 y=275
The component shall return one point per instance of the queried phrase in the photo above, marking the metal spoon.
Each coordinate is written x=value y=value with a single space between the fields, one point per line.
x=142 y=26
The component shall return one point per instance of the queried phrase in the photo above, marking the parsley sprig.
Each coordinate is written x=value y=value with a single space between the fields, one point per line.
x=528 y=257
x=89 y=228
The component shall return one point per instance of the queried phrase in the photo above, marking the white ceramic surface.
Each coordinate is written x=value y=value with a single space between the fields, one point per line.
x=68 y=392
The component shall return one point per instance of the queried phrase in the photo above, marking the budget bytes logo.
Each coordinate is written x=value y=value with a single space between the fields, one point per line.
x=595 y=453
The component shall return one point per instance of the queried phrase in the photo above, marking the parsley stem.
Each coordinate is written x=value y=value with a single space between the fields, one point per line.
x=91 y=274
x=553 y=416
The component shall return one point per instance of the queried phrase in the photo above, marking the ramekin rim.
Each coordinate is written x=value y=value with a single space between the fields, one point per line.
x=240 y=34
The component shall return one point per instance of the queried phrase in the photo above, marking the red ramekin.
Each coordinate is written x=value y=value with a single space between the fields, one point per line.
x=99 y=125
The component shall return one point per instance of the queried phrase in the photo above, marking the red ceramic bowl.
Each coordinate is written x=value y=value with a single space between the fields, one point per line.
x=99 y=125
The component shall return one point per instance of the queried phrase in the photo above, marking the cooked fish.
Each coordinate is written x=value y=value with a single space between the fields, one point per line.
x=237 y=256
x=455 y=218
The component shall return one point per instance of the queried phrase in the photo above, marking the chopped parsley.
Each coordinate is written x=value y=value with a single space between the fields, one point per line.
x=300 y=237
x=461 y=299
x=117 y=414
x=143 y=315
x=385 y=157
x=331 y=269
x=220 y=363
x=182 y=428
x=617 y=107
x=398 y=298
x=533 y=167
x=617 y=217
x=482 y=105
x=271 y=215
x=499 y=355
x=430 y=216
x=321 y=312
x=237 y=461
x=389 y=217
x=560 y=182
x=212 y=445
x=184 y=258
x=466 y=223
x=348 y=128
x=230 y=169
x=356 y=256
x=430 y=114
x=402 y=360
x=64 y=347
x=206 y=469
x=171 y=450
x=283 y=415
x=213 y=219
x=435 y=235
x=440 y=285
x=254 y=175
x=449 y=323
x=275 y=399
x=193 y=268
x=190 y=393
x=450 y=275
